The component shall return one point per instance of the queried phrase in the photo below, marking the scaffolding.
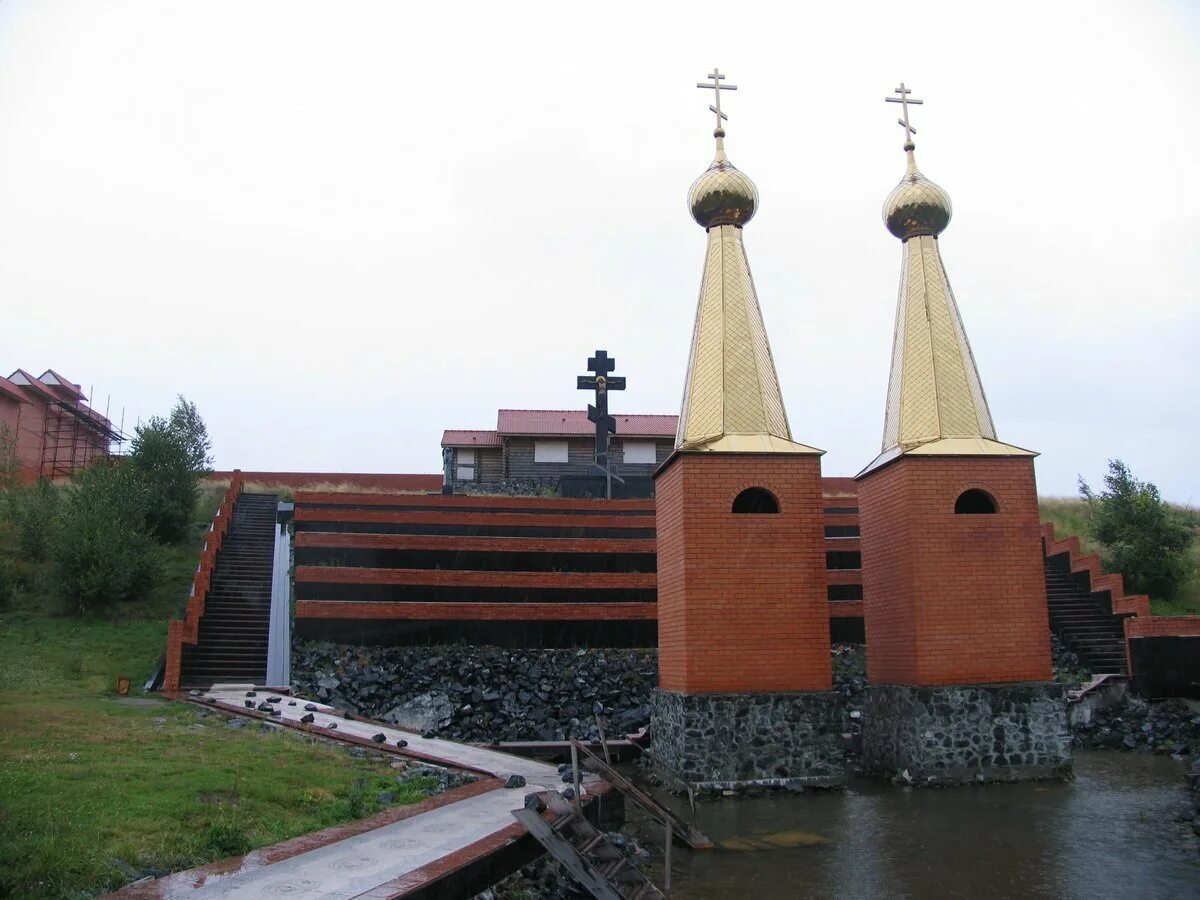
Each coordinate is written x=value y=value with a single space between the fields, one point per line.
x=73 y=436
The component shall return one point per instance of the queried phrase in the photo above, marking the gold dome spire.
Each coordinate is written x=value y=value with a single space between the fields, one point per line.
x=723 y=195
x=731 y=399
x=916 y=206
x=936 y=404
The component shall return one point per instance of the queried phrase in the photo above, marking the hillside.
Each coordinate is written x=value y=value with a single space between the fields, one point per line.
x=1069 y=516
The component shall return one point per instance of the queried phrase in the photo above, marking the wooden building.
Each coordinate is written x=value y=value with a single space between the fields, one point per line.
x=546 y=444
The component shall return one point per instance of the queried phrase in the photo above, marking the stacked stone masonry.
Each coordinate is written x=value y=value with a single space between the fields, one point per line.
x=952 y=735
x=729 y=741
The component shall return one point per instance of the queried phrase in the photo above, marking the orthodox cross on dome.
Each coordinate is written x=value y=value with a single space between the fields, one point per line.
x=601 y=382
x=716 y=87
x=904 y=100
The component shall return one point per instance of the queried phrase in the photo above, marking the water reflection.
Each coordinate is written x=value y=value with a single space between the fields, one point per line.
x=1113 y=832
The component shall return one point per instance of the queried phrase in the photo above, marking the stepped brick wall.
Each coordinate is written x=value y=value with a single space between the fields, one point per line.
x=432 y=560
x=953 y=598
x=1162 y=653
x=508 y=561
x=742 y=600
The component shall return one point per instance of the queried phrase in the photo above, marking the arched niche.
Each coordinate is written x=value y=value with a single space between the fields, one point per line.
x=974 y=502
x=755 y=501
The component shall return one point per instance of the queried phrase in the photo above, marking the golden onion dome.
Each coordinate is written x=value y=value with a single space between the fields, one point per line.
x=917 y=206
x=723 y=195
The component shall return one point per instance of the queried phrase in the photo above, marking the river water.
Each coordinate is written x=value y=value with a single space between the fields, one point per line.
x=1112 y=832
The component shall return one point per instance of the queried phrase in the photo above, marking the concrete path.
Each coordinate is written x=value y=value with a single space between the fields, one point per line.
x=448 y=753
x=356 y=865
x=383 y=862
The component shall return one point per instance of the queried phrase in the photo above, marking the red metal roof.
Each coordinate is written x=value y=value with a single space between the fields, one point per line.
x=575 y=421
x=13 y=390
x=67 y=385
x=452 y=438
x=25 y=381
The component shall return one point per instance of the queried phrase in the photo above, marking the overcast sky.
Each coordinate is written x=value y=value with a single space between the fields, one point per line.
x=342 y=227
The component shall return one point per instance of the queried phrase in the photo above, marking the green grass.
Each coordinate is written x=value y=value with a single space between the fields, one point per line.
x=1070 y=517
x=95 y=788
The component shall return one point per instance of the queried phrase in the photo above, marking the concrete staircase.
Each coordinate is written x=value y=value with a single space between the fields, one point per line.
x=1084 y=619
x=232 y=642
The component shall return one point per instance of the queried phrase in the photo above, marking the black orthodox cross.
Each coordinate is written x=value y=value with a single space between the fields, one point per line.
x=600 y=381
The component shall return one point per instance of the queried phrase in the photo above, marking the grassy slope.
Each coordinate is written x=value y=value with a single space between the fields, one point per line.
x=91 y=787
x=1070 y=517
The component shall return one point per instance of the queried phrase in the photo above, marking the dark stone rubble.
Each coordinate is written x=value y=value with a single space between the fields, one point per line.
x=483 y=693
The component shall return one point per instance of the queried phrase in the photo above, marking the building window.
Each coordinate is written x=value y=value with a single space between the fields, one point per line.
x=549 y=451
x=843 y=559
x=640 y=453
x=841 y=531
x=464 y=457
x=974 y=502
x=755 y=501
x=844 y=593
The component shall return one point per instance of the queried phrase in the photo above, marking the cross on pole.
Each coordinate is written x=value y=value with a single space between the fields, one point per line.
x=601 y=382
x=904 y=100
x=716 y=87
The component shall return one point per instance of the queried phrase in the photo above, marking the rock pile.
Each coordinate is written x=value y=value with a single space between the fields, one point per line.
x=1168 y=727
x=513 y=487
x=1068 y=667
x=483 y=693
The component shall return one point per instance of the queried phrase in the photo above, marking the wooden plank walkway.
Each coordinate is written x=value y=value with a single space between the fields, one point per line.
x=396 y=859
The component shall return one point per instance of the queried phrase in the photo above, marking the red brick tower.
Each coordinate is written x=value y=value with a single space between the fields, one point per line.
x=744 y=668
x=954 y=592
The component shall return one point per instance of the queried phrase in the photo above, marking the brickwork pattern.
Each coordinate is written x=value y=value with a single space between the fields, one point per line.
x=741 y=598
x=953 y=599
x=476 y=612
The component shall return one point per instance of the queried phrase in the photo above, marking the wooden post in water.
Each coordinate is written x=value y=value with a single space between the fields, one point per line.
x=667 y=852
x=603 y=742
x=575 y=776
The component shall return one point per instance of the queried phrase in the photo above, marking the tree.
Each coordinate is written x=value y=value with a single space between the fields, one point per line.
x=170 y=455
x=185 y=422
x=102 y=553
x=33 y=512
x=1142 y=537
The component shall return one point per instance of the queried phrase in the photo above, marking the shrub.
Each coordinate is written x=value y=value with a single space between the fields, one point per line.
x=9 y=466
x=102 y=553
x=1142 y=537
x=13 y=577
x=33 y=512
x=170 y=455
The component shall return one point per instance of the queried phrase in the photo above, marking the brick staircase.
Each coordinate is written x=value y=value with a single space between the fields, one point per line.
x=1088 y=608
x=1083 y=620
x=231 y=644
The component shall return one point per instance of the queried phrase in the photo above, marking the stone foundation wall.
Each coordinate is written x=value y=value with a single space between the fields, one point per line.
x=961 y=733
x=733 y=740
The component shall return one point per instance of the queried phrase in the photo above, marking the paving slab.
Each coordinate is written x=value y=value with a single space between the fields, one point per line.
x=409 y=851
x=449 y=753
x=356 y=865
